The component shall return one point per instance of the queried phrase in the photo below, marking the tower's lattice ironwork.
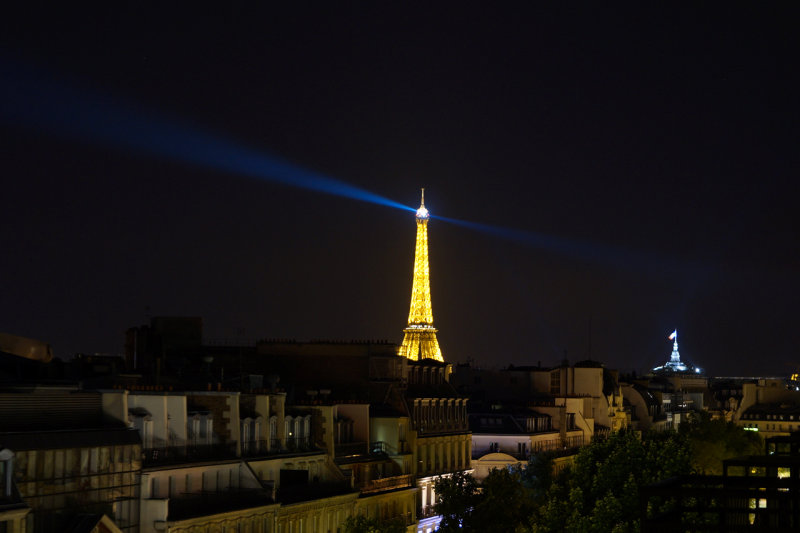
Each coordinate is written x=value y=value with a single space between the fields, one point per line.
x=420 y=341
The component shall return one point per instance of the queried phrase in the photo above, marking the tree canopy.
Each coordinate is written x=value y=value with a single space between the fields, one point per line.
x=599 y=492
x=713 y=441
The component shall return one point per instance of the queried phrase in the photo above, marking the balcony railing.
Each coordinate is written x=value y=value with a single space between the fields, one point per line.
x=521 y=455
x=345 y=449
x=379 y=447
x=208 y=503
x=298 y=444
x=312 y=491
x=387 y=483
x=255 y=448
x=427 y=512
x=262 y=448
x=188 y=454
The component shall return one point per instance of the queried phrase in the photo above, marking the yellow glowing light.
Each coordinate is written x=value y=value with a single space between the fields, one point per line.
x=420 y=341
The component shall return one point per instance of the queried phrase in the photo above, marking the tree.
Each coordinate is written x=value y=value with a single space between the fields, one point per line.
x=505 y=503
x=457 y=496
x=600 y=493
x=713 y=441
x=538 y=476
x=502 y=503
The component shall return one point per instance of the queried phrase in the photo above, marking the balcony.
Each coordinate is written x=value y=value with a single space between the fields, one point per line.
x=347 y=449
x=298 y=444
x=188 y=454
x=207 y=503
x=378 y=447
x=519 y=455
x=265 y=448
x=427 y=512
x=312 y=491
x=386 y=483
x=255 y=448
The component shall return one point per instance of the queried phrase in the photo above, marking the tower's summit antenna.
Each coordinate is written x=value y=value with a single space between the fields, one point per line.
x=422 y=212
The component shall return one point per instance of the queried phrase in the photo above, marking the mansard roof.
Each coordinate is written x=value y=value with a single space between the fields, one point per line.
x=73 y=438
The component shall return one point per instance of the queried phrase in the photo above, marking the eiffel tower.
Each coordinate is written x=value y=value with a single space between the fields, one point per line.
x=420 y=341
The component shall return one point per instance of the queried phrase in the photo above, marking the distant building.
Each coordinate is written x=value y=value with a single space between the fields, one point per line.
x=770 y=407
x=226 y=457
x=645 y=406
x=502 y=439
x=13 y=509
x=70 y=459
x=675 y=365
x=161 y=346
x=754 y=493
x=679 y=387
x=519 y=411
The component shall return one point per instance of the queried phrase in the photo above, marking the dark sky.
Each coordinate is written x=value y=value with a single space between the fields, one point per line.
x=654 y=149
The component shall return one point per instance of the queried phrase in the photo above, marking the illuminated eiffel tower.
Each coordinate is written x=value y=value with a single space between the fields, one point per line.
x=420 y=341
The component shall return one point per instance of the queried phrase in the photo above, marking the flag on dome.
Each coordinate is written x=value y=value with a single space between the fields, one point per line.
x=674 y=335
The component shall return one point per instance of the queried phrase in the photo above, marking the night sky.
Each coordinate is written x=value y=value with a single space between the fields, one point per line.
x=641 y=161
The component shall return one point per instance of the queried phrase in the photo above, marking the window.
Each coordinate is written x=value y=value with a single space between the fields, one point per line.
x=208 y=435
x=245 y=431
x=48 y=464
x=147 y=433
x=58 y=471
x=570 y=421
x=93 y=461
x=84 y=469
x=273 y=427
x=555 y=382
x=193 y=430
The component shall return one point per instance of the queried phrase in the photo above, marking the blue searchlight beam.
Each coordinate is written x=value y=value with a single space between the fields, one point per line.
x=34 y=100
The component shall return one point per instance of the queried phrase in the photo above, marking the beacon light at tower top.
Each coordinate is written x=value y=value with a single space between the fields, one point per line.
x=422 y=212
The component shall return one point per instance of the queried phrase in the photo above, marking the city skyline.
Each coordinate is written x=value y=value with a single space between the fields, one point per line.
x=621 y=174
